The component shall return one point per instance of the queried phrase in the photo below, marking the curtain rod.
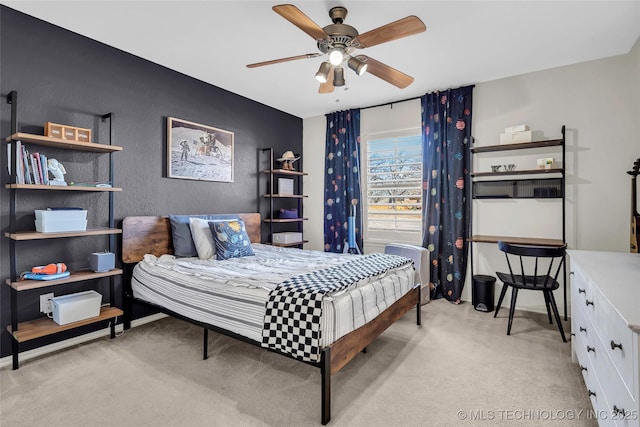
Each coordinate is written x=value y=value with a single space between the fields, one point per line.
x=403 y=100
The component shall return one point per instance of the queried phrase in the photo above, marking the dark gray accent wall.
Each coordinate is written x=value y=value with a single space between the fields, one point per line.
x=66 y=78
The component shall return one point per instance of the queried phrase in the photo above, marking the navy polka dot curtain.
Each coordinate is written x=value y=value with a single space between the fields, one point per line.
x=342 y=180
x=446 y=140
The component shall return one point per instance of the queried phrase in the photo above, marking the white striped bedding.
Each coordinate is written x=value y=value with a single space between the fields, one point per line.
x=231 y=294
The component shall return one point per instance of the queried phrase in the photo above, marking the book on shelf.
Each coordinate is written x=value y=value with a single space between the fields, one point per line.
x=31 y=168
x=45 y=171
x=35 y=170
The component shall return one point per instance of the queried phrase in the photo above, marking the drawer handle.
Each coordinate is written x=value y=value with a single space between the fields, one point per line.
x=591 y=393
x=581 y=291
x=588 y=303
x=591 y=349
x=614 y=345
x=583 y=329
x=584 y=368
x=618 y=411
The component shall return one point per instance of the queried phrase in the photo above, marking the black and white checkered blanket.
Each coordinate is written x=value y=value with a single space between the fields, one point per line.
x=294 y=308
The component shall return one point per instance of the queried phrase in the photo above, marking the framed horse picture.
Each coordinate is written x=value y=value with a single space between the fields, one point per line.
x=199 y=152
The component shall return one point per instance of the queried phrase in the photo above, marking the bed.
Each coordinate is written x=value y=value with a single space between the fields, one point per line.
x=257 y=304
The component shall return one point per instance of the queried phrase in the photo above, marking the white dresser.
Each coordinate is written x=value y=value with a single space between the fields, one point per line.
x=605 y=323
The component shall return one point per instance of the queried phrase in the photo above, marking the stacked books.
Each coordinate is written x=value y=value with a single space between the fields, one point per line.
x=31 y=168
x=515 y=134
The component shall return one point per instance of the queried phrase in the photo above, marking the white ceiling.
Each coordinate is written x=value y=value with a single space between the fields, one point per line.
x=466 y=42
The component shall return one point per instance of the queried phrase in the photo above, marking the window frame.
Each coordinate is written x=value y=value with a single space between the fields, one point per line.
x=381 y=236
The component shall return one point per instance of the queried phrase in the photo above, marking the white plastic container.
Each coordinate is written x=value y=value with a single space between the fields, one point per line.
x=57 y=215
x=75 y=307
x=60 y=220
x=60 y=226
x=287 y=237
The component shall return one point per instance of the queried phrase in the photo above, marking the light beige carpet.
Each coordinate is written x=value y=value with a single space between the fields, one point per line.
x=459 y=368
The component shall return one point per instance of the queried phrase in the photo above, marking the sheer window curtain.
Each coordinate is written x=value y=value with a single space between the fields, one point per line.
x=342 y=179
x=446 y=140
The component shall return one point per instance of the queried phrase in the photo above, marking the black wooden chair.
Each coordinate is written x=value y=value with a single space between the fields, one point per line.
x=544 y=277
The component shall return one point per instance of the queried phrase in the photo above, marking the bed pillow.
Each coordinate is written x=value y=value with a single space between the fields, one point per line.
x=183 y=245
x=231 y=239
x=181 y=234
x=202 y=238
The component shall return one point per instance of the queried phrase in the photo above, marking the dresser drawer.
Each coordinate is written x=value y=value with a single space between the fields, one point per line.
x=617 y=339
x=601 y=367
x=604 y=300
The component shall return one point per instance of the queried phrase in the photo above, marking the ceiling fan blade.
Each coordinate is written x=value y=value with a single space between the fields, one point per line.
x=386 y=73
x=277 y=61
x=327 y=87
x=393 y=31
x=300 y=20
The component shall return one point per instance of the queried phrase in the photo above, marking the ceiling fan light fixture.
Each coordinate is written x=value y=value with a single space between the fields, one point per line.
x=323 y=72
x=338 y=76
x=358 y=66
x=336 y=56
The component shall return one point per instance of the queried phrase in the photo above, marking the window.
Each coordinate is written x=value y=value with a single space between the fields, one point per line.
x=394 y=184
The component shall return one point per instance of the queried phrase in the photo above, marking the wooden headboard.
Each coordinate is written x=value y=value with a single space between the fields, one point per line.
x=152 y=235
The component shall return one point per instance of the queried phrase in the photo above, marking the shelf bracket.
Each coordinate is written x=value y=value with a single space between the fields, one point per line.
x=12 y=98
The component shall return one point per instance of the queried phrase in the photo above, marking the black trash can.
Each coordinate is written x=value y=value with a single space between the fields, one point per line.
x=482 y=292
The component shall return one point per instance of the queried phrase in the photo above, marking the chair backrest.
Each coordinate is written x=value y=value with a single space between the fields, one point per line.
x=554 y=256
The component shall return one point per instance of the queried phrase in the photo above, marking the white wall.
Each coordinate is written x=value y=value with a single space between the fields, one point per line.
x=313 y=137
x=597 y=101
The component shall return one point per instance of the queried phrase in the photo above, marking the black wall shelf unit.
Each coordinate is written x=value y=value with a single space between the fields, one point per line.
x=521 y=184
x=277 y=200
x=25 y=330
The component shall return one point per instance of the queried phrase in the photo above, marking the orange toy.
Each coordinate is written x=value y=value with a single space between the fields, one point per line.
x=59 y=267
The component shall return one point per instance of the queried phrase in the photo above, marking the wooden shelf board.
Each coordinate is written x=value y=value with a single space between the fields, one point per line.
x=35 y=235
x=285 y=172
x=517 y=146
x=76 y=276
x=521 y=172
x=62 y=143
x=286 y=219
x=60 y=187
x=532 y=241
x=42 y=327
x=290 y=244
x=289 y=196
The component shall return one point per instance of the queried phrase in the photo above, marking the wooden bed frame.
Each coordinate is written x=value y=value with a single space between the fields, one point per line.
x=152 y=235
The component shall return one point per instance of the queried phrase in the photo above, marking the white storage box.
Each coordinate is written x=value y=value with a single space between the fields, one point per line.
x=60 y=226
x=57 y=215
x=285 y=186
x=61 y=220
x=287 y=237
x=74 y=307
x=515 y=137
x=516 y=128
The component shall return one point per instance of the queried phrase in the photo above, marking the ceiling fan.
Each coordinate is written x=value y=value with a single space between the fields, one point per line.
x=339 y=41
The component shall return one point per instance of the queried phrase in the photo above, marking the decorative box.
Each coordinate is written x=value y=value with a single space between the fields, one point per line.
x=288 y=213
x=547 y=163
x=515 y=137
x=71 y=133
x=516 y=128
x=287 y=237
x=285 y=186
